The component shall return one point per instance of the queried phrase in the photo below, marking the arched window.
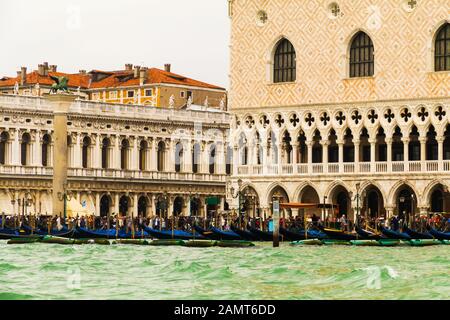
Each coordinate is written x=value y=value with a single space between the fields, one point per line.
x=4 y=137
x=142 y=155
x=229 y=160
x=161 y=155
x=212 y=159
x=25 y=149
x=284 y=62
x=86 y=152
x=105 y=153
x=361 y=56
x=442 y=49
x=46 y=140
x=195 y=158
x=124 y=154
x=178 y=156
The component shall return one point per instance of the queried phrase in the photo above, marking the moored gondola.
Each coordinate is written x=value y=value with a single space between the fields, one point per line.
x=175 y=235
x=245 y=234
x=217 y=234
x=439 y=235
x=63 y=233
x=225 y=235
x=291 y=235
x=367 y=235
x=83 y=233
x=339 y=235
x=264 y=235
x=417 y=235
x=391 y=234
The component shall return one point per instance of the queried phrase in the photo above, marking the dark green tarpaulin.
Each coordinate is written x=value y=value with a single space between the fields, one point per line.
x=212 y=201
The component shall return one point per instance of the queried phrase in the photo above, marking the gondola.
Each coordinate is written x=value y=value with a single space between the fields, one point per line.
x=440 y=235
x=63 y=233
x=263 y=235
x=208 y=234
x=300 y=235
x=225 y=235
x=367 y=235
x=417 y=235
x=176 y=235
x=217 y=234
x=391 y=234
x=6 y=233
x=244 y=234
x=83 y=233
x=339 y=235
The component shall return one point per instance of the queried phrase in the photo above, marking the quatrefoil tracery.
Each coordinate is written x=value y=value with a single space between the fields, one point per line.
x=279 y=120
x=406 y=114
x=440 y=113
x=325 y=118
x=309 y=119
x=294 y=120
x=389 y=115
x=372 y=116
x=356 y=117
x=423 y=114
x=340 y=118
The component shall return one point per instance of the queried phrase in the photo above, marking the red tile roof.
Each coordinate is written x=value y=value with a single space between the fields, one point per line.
x=75 y=80
x=154 y=76
x=113 y=79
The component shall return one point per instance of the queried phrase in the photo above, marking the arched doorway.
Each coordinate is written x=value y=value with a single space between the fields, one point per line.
x=105 y=205
x=250 y=202
x=341 y=199
x=124 y=205
x=162 y=207
x=142 y=206
x=278 y=193
x=439 y=199
x=178 y=206
x=372 y=203
x=406 y=201
x=195 y=206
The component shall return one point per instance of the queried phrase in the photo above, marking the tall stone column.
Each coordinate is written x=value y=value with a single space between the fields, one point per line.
x=97 y=204
x=61 y=104
x=37 y=157
x=341 y=155
x=405 y=141
x=357 y=145
x=15 y=154
x=389 y=153
x=325 y=144
x=373 y=145
x=309 y=145
x=440 y=141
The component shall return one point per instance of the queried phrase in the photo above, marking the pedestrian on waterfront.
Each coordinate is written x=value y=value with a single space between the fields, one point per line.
x=344 y=222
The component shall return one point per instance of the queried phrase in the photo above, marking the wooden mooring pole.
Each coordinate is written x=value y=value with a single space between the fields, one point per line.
x=276 y=223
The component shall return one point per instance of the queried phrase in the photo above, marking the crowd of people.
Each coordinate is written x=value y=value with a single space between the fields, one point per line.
x=222 y=221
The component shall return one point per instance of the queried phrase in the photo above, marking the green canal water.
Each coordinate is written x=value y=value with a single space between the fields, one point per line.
x=43 y=271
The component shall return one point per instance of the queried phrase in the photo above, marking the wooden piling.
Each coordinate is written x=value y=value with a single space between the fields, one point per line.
x=276 y=223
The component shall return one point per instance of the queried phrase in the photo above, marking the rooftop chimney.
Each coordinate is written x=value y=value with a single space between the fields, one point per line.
x=129 y=67
x=83 y=72
x=137 y=69
x=23 y=75
x=167 y=67
x=53 y=68
x=142 y=76
x=41 y=70
x=46 y=68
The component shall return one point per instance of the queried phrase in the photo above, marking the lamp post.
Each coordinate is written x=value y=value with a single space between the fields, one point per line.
x=238 y=194
x=64 y=196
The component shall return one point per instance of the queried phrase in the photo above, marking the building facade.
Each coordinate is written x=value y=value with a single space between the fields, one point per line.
x=341 y=102
x=127 y=159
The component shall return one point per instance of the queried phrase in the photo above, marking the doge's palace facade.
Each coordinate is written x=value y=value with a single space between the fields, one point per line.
x=342 y=102
x=126 y=159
